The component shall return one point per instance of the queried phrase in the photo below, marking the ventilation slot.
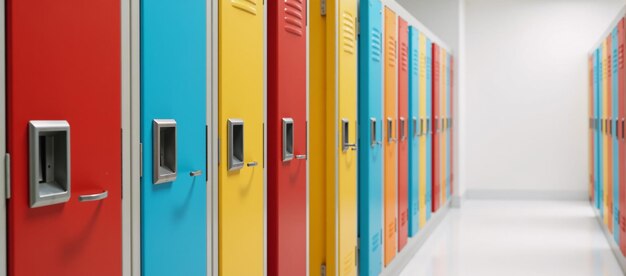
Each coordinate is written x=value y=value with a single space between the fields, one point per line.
x=249 y=6
x=294 y=17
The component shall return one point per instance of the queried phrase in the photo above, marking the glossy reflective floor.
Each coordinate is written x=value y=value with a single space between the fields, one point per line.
x=510 y=238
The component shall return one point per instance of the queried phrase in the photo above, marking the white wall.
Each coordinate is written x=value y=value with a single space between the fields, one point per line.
x=446 y=19
x=526 y=92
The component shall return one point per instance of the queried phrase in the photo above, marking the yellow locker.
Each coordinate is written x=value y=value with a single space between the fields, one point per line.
x=241 y=134
x=317 y=138
x=333 y=81
x=422 y=138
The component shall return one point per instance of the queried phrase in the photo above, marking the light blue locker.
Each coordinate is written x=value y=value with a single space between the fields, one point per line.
x=600 y=144
x=173 y=127
x=370 y=139
x=429 y=146
x=615 y=117
x=414 y=131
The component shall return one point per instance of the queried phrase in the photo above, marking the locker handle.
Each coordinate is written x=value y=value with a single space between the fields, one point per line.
x=622 y=128
x=195 y=173
x=390 y=138
x=301 y=156
x=345 y=143
x=93 y=197
x=252 y=164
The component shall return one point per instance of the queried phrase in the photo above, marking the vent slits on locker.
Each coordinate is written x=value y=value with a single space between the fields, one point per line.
x=391 y=50
x=294 y=17
x=376 y=45
x=415 y=62
x=404 y=58
x=348 y=37
x=249 y=6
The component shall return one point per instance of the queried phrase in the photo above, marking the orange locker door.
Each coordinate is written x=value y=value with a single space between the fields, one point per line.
x=391 y=156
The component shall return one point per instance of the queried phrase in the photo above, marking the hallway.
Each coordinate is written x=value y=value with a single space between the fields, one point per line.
x=510 y=238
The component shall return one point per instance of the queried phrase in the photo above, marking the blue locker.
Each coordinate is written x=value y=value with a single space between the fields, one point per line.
x=615 y=114
x=429 y=146
x=173 y=125
x=370 y=135
x=596 y=144
x=414 y=131
x=600 y=133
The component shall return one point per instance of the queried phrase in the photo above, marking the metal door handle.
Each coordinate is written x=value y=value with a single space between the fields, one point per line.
x=252 y=164
x=195 y=173
x=301 y=156
x=93 y=197
x=351 y=146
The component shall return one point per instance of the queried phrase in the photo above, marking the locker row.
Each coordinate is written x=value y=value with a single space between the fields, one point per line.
x=228 y=137
x=607 y=143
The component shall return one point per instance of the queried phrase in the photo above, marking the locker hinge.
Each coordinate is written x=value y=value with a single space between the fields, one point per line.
x=7 y=175
x=323 y=267
x=358 y=25
x=356 y=252
x=323 y=7
x=140 y=159
x=219 y=157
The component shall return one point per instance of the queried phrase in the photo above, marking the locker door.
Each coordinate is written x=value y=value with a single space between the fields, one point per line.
x=436 y=192
x=173 y=137
x=615 y=141
x=317 y=145
x=621 y=222
x=240 y=118
x=447 y=123
x=414 y=132
x=344 y=125
x=424 y=129
x=609 y=146
x=596 y=141
x=391 y=156
x=450 y=129
x=429 y=126
x=590 y=112
x=370 y=139
x=63 y=118
x=402 y=125
x=601 y=136
x=287 y=125
x=442 y=128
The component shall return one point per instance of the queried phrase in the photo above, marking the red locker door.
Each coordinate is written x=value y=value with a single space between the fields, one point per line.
x=403 y=127
x=436 y=194
x=64 y=65
x=622 y=148
x=287 y=142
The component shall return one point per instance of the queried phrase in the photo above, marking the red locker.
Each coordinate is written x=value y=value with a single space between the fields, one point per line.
x=64 y=122
x=287 y=144
x=622 y=148
x=403 y=128
x=436 y=193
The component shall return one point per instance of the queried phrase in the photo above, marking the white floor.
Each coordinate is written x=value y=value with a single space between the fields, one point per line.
x=510 y=238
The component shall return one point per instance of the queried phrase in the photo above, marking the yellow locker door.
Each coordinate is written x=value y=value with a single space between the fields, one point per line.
x=317 y=145
x=442 y=115
x=346 y=123
x=240 y=119
x=605 y=178
x=422 y=138
x=391 y=158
